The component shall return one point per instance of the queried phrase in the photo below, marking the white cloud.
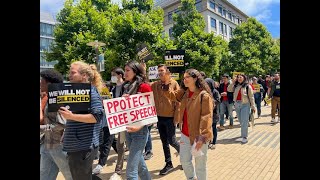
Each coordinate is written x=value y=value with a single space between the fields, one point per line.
x=264 y=15
x=253 y=7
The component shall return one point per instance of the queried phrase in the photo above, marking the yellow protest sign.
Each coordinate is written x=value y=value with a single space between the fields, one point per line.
x=105 y=92
x=175 y=76
x=235 y=74
x=256 y=87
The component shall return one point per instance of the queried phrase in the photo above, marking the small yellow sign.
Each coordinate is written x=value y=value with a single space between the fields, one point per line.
x=256 y=87
x=174 y=63
x=235 y=74
x=175 y=76
x=105 y=92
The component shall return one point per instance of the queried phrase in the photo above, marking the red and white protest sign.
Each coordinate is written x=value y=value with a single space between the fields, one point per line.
x=136 y=110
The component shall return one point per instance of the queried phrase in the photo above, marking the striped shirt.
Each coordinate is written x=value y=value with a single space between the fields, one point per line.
x=80 y=136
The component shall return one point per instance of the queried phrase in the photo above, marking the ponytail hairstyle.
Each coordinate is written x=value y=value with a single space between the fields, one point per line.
x=200 y=83
x=92 y=72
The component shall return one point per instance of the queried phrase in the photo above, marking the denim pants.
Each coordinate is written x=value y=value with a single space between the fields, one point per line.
x=243 y=113
x=200 y=169
x=53 y=161
x=224 y=106
x=167 y=132
x=136 y=165
x=148 y=147
x=257 y=100
x=105 y=147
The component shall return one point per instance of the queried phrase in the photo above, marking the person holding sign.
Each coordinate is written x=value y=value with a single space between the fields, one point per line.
x=195 y=119
x=258 y=90
x=243 y=98
x=81 y=137
x=165 y=111
x=53 y=158
x=136 y=136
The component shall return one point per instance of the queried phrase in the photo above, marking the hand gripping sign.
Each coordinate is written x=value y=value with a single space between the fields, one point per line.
x=136 y=110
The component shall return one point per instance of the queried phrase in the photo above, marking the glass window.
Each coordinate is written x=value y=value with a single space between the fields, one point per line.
x=169 y=16
x=230 y=31
x=238 y=20
x=225 y=29
x=198 y=5
x=221 y=27
x=213 y=23
x=220 y=10
x=224 y=13
x=170 y=32
x=229 y=16
x=212 y=5
x=233 y=18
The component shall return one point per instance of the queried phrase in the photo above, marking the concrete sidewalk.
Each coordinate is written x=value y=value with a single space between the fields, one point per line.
x=258 y=159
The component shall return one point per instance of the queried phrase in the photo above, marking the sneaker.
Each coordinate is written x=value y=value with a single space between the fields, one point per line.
x=166 y=169
x=249 y=125
x=244 y=140
x=230 y=127
x=221 y=128
x=239 y=139
x=212 y=146
x=273 y=120
x=278 y=119
x=97 y=170
x=148 y=155
x=258 y=116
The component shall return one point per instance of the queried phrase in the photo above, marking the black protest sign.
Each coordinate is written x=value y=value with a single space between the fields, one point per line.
x=174 y=60
x=74 y=96
x=144 y=53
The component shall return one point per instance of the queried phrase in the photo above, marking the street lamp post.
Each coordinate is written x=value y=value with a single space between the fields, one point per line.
x=96 y=44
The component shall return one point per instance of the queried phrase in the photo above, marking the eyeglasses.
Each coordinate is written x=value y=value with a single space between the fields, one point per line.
x=187 y=77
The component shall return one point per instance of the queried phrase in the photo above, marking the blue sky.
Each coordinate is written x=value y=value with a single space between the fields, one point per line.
x=266 y=11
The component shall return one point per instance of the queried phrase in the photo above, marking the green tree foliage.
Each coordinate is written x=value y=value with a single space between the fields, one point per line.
x=253 y=50
x=79 y=23
x=204 y=51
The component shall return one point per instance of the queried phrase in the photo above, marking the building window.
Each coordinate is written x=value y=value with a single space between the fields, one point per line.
x=225 y=29
x=221 y=27
x=224 y=13
x=229 y=16
x=230 y=32
x=170 y=32
x=177 y=11
x=213 y=23
x=46 y=30
x=238 y=20
x=220 y=10
x=233 y=18
x=170 y=17
x=212 y=5
x=198 y=5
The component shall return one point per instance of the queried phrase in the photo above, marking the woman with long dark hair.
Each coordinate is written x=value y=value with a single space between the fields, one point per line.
x=195 y=119
x=244 y=100
x=136 y=136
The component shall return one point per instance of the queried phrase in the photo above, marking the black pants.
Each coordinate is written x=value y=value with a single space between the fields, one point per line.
x=108 y=141
x=167 y=133
x=80 y=163
x=215 y=132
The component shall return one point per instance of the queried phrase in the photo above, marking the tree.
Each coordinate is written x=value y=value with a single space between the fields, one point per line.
x=136 y=25
x=79 y=23
x=252 y=48
x=204 y=51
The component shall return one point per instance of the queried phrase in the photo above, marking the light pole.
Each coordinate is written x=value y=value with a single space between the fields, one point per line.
x=96 y=44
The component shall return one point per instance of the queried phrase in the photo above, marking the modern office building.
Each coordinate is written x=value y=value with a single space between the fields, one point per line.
x=221 y=17
x=47 y=23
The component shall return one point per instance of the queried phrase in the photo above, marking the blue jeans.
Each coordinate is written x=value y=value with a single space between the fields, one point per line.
x=243 y=112
x=148 y=147
x=224 y=105
x=136 y=165
x=200 y=169
x=257 y=100
x=53 y=161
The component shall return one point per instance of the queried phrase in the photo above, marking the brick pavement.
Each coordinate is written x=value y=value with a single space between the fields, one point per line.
x=258 y=159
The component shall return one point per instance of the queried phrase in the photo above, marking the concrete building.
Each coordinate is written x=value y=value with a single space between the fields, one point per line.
x=221 y=17
x=47 y=23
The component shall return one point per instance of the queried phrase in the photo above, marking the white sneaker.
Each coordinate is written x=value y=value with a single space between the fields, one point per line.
x=273 y=120
x=97 y=170
x=239 y=139
x=244 y=140
x=278 y=119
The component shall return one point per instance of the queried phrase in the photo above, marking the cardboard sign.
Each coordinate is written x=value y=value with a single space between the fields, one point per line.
x=235 y=74
x=256 y=87
x=153 y=72
x=74 y=96
x=137 y=110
